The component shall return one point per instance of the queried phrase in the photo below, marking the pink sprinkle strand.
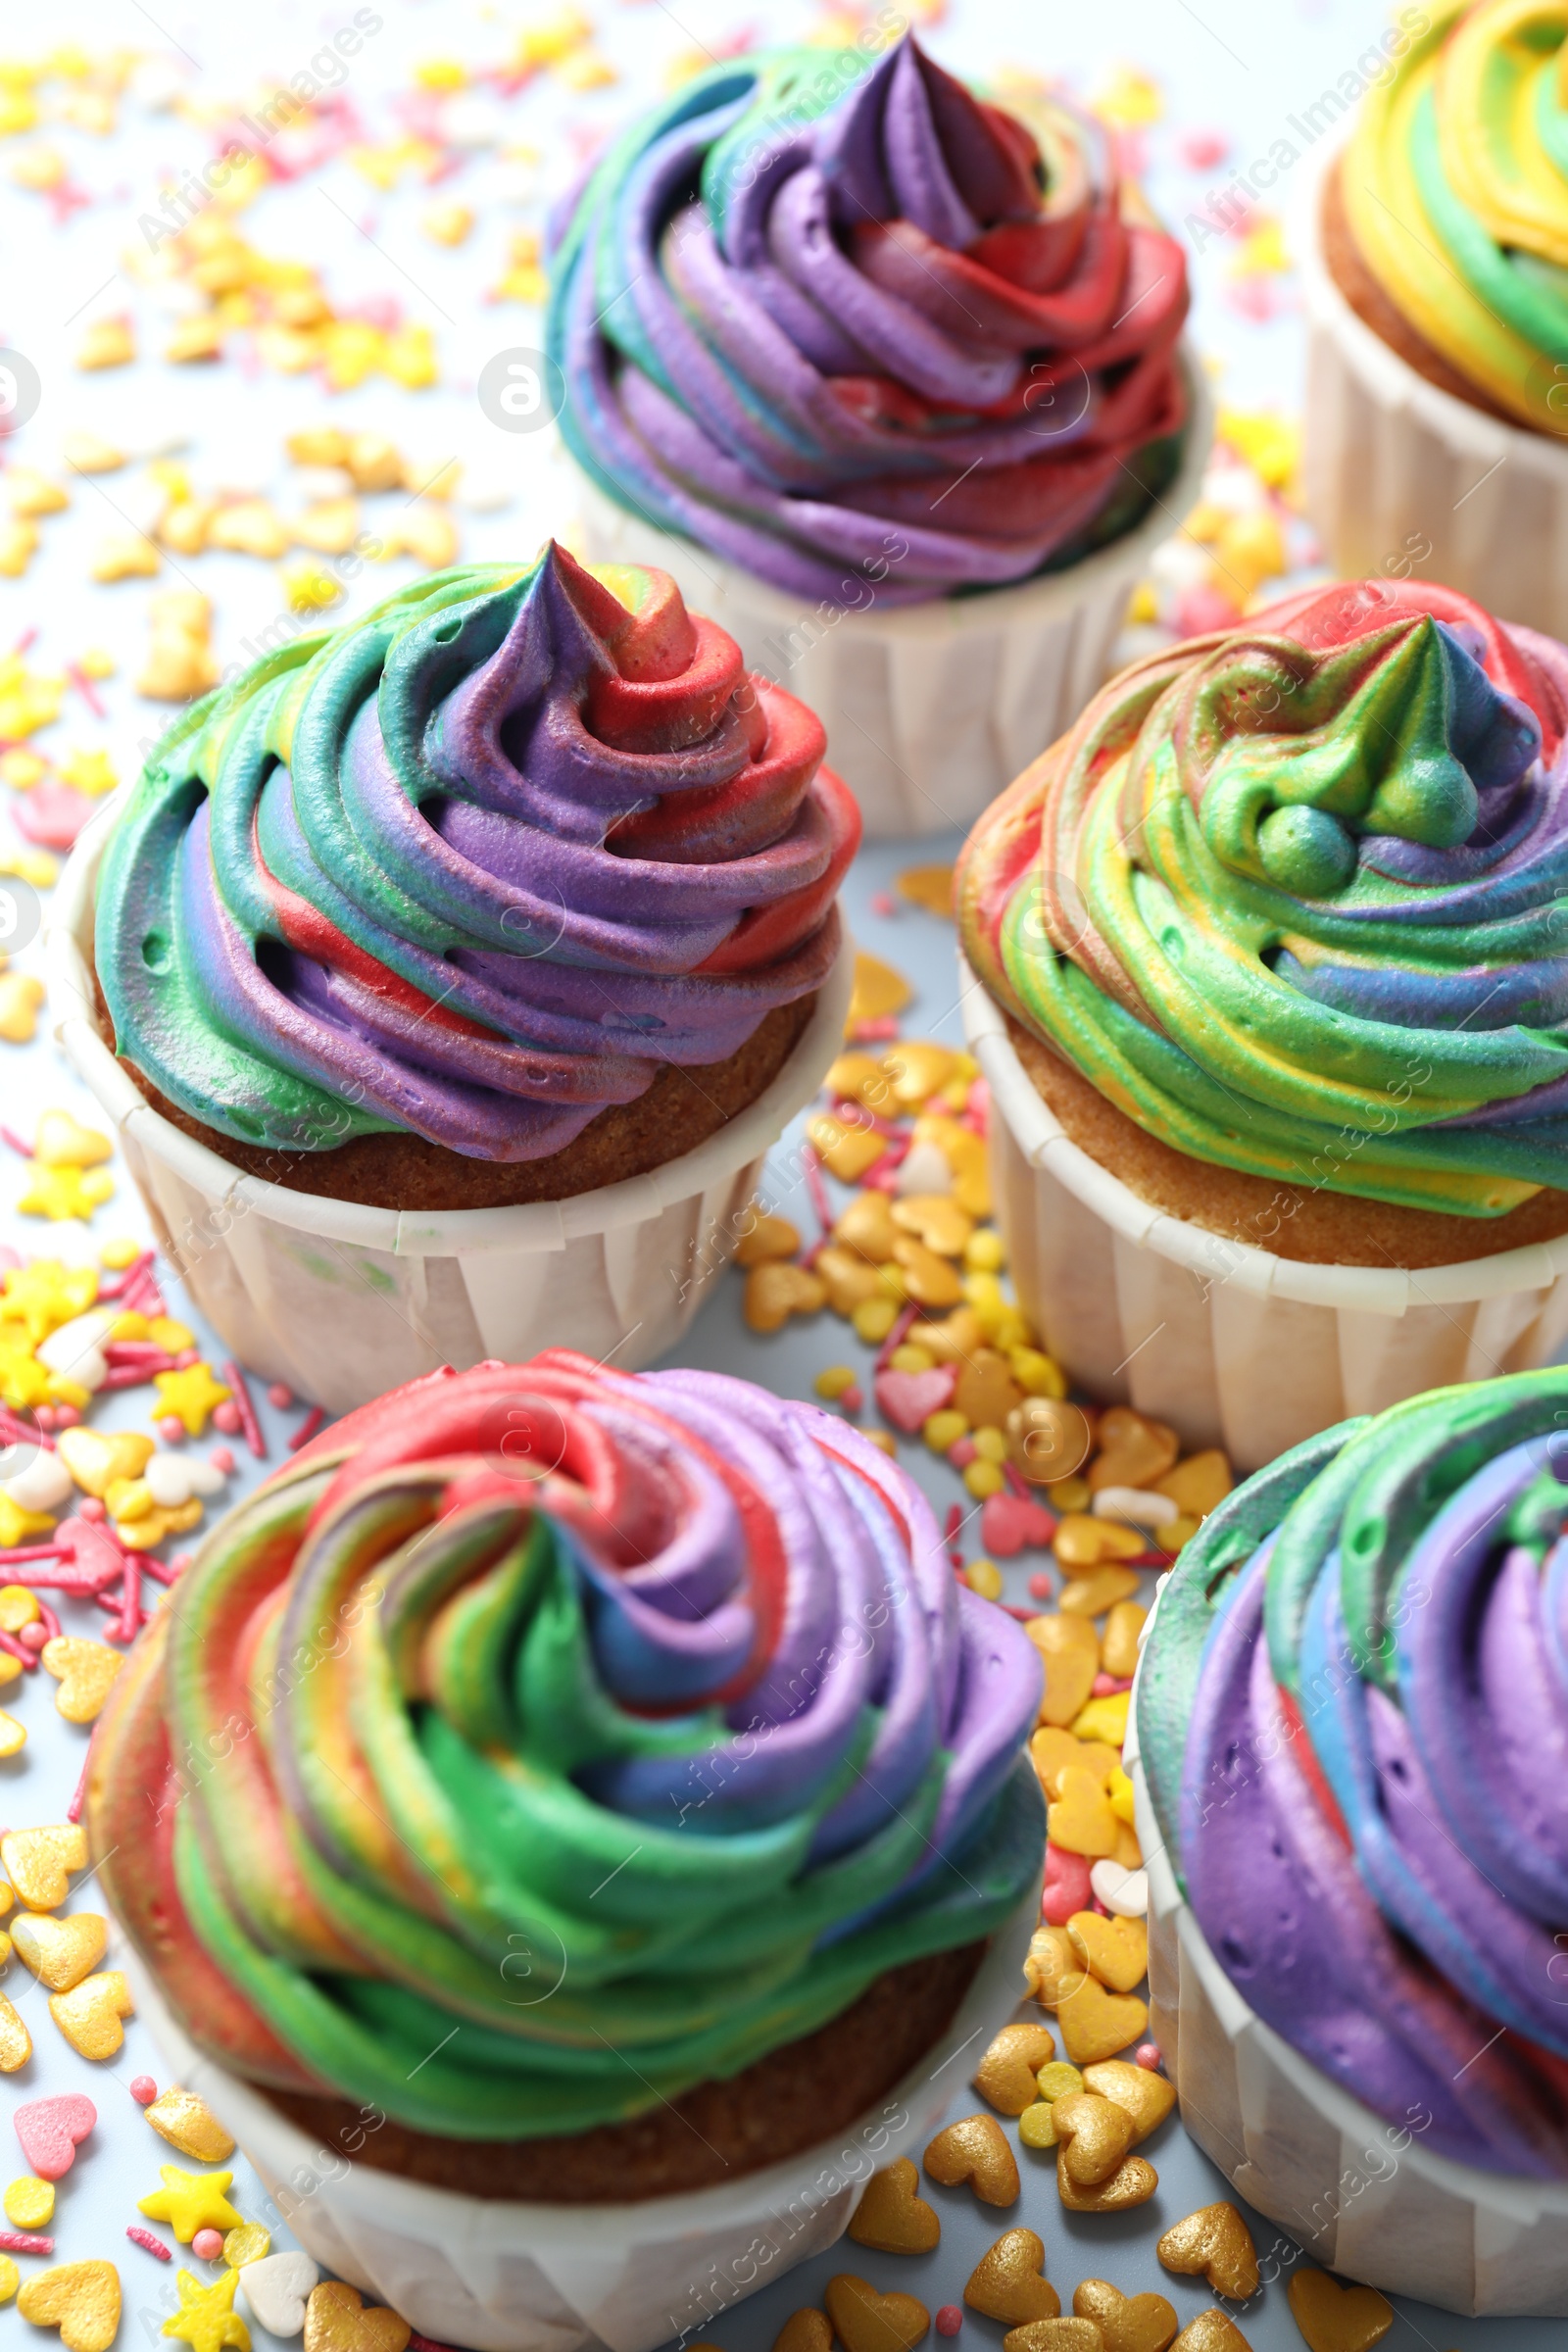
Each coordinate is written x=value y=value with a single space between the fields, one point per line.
x=25 y=2242
x=143 y=2237
x=248 y=1422
x=307 y=1428
x=810 y=1163
x=73 y=1809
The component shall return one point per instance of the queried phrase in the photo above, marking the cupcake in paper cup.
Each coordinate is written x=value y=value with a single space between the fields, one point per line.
x=1436 y=412
x=449 y=973
x=889 y=377
x=1266 y=964
x=563 y=1830
x=1350 y=1726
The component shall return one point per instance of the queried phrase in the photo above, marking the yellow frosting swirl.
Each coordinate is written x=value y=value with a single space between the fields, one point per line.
x=1455 y=186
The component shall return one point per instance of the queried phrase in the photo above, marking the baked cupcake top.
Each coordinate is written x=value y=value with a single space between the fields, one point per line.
x=1353 y=1714
x=1295 y=898
x=844 y=322
x=471 y=867
x=545 y=1740
x=1455 y=186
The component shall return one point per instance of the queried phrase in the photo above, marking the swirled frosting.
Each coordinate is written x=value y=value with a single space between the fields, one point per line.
x=1352 y=1716
x=1295 y=898
x=839 y=320
x=1455 y=184
x=545 y=1741
x=472 y=866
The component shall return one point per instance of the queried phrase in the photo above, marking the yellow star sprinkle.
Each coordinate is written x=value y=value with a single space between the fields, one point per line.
x=45 y=1295
x=191 y=2201
x=57 y=1192
x=190 y=1396
x=207 y=2320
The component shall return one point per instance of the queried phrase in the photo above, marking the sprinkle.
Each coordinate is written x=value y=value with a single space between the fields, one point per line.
x=191 y=2201
x=241 y=1399
x=25 y=2242
x=279 y=1396
x=73 y=1814
x=307 y=1428
x=950 y=2318
x=145 y=2238
x=814 y=1184
x=143 y=2090
x=207 y=2244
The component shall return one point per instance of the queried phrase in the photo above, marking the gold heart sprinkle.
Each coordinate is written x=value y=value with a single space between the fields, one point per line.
x=1133 y=2183
x=975 y=2150
x=36 y=1861
x=1008 y=2281
x=1211 y=2332
x=85 y=1671
x=1128 y=2323
x=80 y=2299
x=1055 y=2336
x=1335 y=2318
x=891 y=2217
x=1052 y=1968
x=1113 y=1950
x=60 y=1951
x=187 y=2123
x=1147 y=2096
x=89 y=2014
x=1095 y=2024
x=96 y=1458
x=1006 y=2075
x=1214 y=2243
x=16 y=2042
x=808 y=2331
x=1093 y=2134
x=336 y=2321
x=865 y=2322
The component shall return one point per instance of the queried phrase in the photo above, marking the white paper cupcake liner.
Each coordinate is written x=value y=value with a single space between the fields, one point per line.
x=930 y=710
x=1231 y=1345
x=1405 y=480
x=518 y=2278
x=1358 y=2195
x=344 y=1301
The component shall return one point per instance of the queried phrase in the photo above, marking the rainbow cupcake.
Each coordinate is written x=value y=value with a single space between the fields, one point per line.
x=562 y=1789
x=1351 y=1728
x=1268 y=962
x=1436 y=412
x=856 y=354
x=501 y=916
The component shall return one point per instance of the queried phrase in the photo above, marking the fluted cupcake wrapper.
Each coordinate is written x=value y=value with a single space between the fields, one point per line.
x=1357 y=2194
x=343 y=1300
x=503 y=2276
x=1404 y=479
x=931 y=709
x=1231 y=1345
